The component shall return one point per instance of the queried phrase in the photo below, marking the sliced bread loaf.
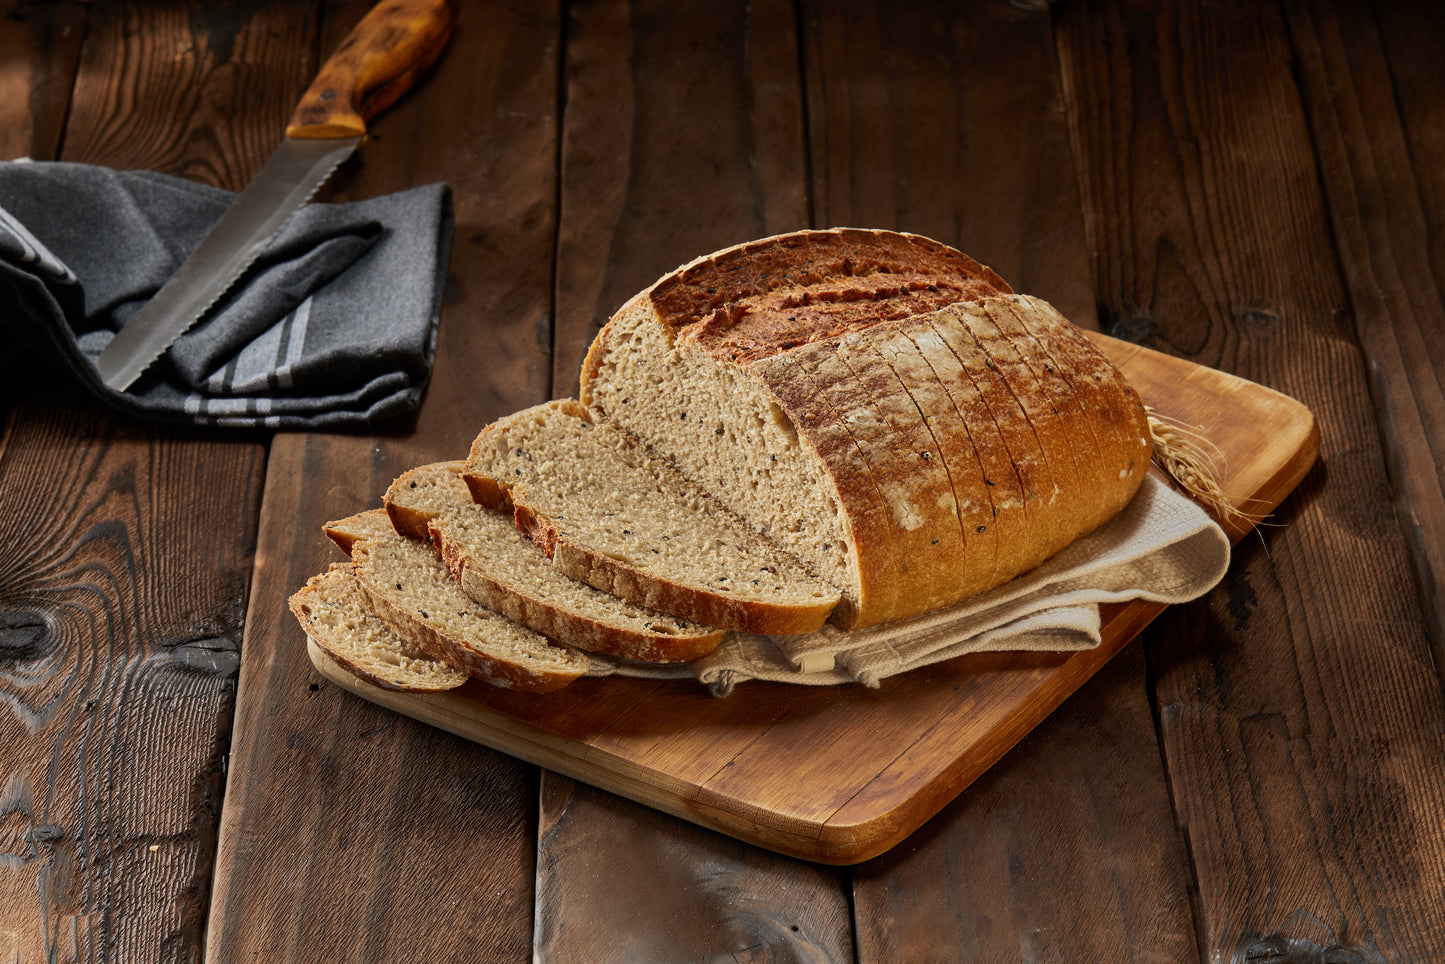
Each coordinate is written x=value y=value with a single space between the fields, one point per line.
x=331 y=611
x=755 y=370
x=404 y=583
x=504 y=570
x=612 y=515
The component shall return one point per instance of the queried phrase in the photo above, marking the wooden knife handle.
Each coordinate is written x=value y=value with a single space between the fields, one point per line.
x=377 y=62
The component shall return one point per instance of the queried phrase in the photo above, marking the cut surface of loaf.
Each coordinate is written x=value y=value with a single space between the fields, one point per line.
x=878 y=404
x=623 y=521
x=404 y=583
x=501 y=568
x=331 y=611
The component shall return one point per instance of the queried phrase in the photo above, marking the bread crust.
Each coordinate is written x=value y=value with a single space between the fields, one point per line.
x=901 y=346
x=952 y=437
x=412 y=502
x=908 y=467
x=524 y=471
x=871 y=537
x=411 y=672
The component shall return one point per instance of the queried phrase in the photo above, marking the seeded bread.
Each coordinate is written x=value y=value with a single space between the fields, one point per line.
x=330 y=610
x=405 y=584
x=776 y=376
x=611 y=515
x=499 y=567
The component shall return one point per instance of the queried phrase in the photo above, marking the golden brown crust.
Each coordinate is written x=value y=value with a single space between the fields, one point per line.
x=535 y=456
x=871 y=534
x=625 y=581
x=908 y=467
x=556 y=622
x=1111 y=405
x=1051 y=365
x=363 y=525
x=954 y=440
x=1029 y=378
x=504 y=673
x=756 y=299
x=485 y=555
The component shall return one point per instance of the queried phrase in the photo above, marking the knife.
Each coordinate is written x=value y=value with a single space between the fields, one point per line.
x=377 y=62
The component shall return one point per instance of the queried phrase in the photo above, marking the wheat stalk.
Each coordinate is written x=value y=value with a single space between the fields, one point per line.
x=1190 y=460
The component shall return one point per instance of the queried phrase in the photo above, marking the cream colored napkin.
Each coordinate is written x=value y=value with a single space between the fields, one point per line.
x=1162 y=548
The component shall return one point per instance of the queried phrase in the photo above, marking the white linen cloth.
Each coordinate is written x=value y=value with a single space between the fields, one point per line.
x=1162 y=548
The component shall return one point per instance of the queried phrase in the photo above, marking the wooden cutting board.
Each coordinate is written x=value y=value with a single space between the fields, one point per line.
x=839 y=774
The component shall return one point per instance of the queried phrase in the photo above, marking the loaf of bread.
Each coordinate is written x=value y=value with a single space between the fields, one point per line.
x=847 y=425
x=880 y=406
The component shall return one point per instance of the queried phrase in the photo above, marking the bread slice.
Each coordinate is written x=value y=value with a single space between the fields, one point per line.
x=499 y=567
x=405 y=584
x=614 y=516
x=330 y=609
x=703 y=368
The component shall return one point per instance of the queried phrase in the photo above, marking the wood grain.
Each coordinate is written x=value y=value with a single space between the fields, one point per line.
x=375 y=827
x=683 y=136
x=947 y=120
x=41 y=43
x=1212 y=240
x=704 y=895
x=1062 y=851
x=125 y=572
x=122 y=588
x=950 y=120
x=189 y=88
x=1363 y=77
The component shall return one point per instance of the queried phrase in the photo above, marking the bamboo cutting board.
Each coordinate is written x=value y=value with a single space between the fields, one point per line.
x=839 y=774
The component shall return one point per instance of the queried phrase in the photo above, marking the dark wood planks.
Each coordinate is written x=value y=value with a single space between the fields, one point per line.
x=950 y=123
x=1063 y=851
x=41 y=45
x=338 y=814
x=1299 y=712
x=620 y=882
x=1369 y=78
x=681 y=135
x=127 y=547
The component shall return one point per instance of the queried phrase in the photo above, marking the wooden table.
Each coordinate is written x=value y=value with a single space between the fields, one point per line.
x=1253 y=187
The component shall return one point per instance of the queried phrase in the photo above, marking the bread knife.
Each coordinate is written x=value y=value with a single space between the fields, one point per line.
x=377 y=62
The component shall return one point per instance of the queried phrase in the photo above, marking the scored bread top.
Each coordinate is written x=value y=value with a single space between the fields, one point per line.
x=943 y=433
x=777 y=293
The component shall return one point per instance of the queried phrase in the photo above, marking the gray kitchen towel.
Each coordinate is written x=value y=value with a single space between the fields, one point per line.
x=334 y=325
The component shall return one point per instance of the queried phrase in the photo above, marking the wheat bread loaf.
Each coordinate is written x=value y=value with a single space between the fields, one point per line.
x=501 y=568
x=331 y=611
x=405 y=584
x=614 y=516
x=763 y=373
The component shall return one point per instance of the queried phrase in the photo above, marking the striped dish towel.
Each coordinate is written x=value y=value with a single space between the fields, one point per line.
x=334 y=325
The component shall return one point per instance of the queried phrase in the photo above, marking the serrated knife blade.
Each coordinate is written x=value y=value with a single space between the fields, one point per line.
x=376 y=63
x=287 y=181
